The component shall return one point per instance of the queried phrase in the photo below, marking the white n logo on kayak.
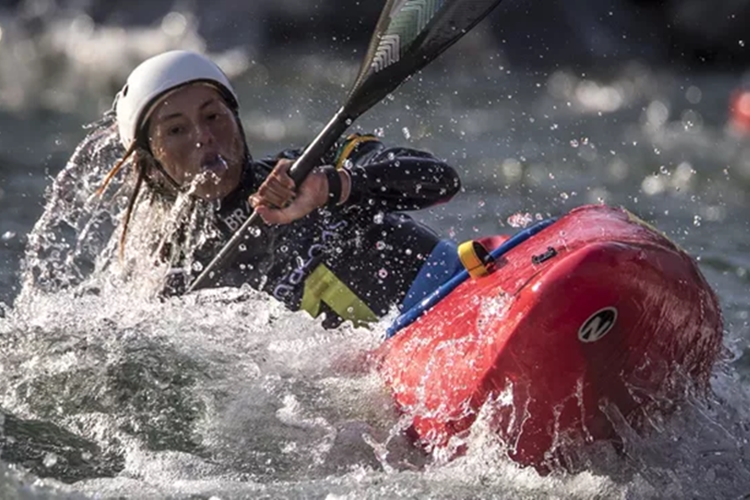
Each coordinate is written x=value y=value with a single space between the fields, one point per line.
x=598 y=325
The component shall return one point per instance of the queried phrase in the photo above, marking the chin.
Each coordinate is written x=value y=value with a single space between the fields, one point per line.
x=212 y=192
x=215 y=187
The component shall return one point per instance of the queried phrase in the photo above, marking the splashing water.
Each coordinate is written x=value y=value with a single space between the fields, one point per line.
x=226 y=394
x=520 y=220
x=213 y=168
x=66 y=242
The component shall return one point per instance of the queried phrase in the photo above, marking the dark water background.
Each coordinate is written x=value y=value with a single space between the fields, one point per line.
x=228 y=395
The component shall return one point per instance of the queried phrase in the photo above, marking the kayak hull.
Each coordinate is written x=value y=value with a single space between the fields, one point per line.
x=597 y=318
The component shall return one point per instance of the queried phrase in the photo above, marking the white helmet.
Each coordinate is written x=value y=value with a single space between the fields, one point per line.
x=160 y=74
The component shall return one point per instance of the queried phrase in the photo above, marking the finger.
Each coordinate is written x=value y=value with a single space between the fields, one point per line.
x=282 y=178
x=276 y=195
x=282 y=215
x=280 y=190
x=281 y=171
x=272 y=201
x=256 y=201
x=284 y=164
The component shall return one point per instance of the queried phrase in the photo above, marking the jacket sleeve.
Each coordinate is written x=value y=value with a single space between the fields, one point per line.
x=398 y=179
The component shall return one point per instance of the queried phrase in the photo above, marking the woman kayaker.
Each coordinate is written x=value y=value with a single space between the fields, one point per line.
x=338 y=246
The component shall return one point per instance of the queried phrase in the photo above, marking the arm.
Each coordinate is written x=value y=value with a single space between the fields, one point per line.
x=400 y=179
x=391 y=179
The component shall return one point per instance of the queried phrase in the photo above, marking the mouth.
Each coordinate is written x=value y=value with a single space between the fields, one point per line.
x=214 y=163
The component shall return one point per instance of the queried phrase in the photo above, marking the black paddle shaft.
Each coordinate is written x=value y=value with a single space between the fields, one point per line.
x=408 y=36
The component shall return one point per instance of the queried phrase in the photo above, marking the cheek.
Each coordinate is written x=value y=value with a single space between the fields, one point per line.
x=229 y=134
x=239 y=146
x=172 y=158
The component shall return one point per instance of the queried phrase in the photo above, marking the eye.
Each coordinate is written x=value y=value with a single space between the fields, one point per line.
x=214 y=114
x=175 y=130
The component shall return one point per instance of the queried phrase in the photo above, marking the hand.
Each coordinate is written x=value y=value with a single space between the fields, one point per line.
x=276 y=201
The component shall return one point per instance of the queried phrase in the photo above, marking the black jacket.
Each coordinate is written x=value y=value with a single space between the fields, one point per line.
x=356 y=260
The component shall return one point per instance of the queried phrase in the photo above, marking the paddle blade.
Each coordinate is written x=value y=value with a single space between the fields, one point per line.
x=410 y=34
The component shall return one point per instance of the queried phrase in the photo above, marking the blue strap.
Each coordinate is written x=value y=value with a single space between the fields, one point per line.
x=412 y=314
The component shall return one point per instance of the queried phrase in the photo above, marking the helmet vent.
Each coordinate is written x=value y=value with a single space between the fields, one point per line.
x=125 y=91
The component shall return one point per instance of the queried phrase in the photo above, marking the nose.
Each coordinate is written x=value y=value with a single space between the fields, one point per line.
x=204 y=136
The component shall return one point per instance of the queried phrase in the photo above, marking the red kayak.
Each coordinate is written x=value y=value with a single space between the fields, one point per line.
x=596 y=313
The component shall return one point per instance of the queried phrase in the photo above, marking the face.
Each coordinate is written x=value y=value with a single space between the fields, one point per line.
x=195 y=136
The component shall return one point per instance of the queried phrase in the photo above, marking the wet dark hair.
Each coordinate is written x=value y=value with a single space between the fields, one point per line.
x=143 y=164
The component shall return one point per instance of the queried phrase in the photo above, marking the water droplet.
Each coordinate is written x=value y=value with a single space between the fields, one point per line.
x=564 y=196
x=574 y=143
x=49 y=460
x=742 y=43
x=382 y=274
x=255 y=231
x=378 y=218
x=693 y=95
x=520 y=220
x=697 y=221
x=197 y=266
x=407 y=134
x=408 y=251
x=243 y=247
x=8 y=235
x=380 y=245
